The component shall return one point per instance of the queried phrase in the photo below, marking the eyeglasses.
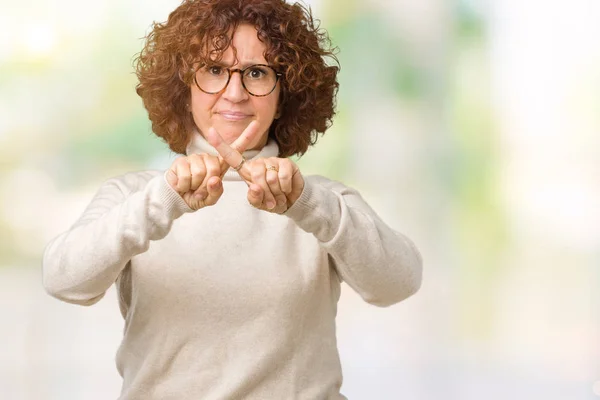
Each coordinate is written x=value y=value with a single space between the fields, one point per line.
x=258 y=80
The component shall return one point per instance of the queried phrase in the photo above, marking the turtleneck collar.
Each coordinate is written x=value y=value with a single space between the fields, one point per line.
x=199 y=145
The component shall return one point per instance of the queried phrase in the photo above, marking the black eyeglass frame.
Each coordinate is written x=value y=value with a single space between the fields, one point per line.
x=230 y=71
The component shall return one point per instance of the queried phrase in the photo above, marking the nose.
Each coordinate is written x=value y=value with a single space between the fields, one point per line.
x=235 y=91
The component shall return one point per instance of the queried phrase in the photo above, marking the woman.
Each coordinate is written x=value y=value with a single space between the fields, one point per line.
x=228 y=265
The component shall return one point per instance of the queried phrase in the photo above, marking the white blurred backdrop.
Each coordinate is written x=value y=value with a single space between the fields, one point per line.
x=471 y=126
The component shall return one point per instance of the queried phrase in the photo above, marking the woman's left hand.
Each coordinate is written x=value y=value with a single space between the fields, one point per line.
x=274 y=184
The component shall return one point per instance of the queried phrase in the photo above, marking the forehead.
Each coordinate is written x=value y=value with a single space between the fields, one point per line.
x=245 y=47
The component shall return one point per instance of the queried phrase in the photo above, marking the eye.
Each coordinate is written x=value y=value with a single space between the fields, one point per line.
x=255 y=72
x=214 y=70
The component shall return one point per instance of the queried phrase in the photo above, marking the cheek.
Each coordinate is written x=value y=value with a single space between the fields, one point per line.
x=201 y=107
x=269 y=107
x=267 y=115
x=201 y=101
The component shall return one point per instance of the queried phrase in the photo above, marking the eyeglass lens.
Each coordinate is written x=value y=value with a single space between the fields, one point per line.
x=259 y=80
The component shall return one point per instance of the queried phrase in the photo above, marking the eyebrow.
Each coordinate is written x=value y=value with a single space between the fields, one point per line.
x=241 y=65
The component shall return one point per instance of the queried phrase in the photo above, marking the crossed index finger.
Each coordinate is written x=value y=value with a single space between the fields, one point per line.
x=232 y=153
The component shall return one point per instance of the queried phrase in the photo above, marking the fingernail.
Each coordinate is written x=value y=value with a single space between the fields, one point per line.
x=280 y=202
x=200 y=196
x=254 y=192
x=270 y=204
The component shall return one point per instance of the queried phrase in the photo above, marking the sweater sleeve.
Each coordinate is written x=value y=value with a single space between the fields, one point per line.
x=124 y=216
x=383 y=266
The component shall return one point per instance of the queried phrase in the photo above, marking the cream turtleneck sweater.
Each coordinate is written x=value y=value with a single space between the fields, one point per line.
x=228 y=302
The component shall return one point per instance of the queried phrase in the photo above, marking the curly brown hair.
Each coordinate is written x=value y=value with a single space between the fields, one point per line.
x=296 y=46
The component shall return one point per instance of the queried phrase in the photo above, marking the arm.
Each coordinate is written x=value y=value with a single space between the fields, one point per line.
x=380 y=264
x=124 y=216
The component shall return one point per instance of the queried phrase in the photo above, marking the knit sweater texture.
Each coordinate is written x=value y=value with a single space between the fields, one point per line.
x=229 y=302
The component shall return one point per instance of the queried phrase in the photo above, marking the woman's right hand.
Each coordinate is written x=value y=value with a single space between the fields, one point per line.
x=198 y=179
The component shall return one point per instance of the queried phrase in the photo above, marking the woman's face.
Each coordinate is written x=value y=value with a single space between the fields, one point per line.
x=231 y=110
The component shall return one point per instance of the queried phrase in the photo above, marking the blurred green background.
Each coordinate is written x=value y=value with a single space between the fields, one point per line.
x=471 y=126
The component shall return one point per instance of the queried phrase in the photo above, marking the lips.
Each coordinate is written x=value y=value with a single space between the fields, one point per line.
x=233 y=115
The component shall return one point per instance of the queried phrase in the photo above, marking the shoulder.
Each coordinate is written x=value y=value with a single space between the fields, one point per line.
x=320 y=180
x=327 y=183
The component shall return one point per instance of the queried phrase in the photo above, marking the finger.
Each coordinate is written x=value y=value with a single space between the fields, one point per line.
x=194 y=200
x=297 y=179
x=172 y=178
x=242 y=143
x=231 y=156
x=184 y=178
x=297 y=186
x=201 y=194
x=215 y=190
x=286 y=170
x=213 y=168
x=228 y=153
x=258 y=175
x=255 y=195
x=224 y=166
x=272 y=178
x=197 y=170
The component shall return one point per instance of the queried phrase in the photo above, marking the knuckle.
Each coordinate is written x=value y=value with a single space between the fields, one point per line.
x=195 y=203
x=213 y=170
x=284 y=175
x=256 y=173
x=211 y=158
x=196 y=159
x=202 y=170
x=201 y=193
x=269 y=197
x=197 y=170
x=272 y=179
x=181 y=161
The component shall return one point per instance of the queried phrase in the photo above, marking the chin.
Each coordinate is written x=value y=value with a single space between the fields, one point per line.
x=229 y=135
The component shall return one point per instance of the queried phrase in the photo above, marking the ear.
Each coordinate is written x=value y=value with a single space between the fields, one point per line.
x=278 y=113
